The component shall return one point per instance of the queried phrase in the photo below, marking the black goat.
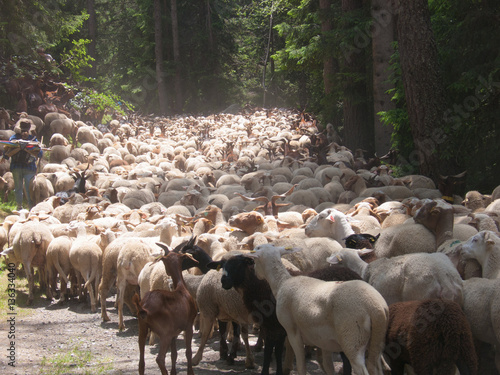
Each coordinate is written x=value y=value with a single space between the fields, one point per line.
x=78 y=187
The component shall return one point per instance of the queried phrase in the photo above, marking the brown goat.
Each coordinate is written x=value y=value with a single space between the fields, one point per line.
x=167 y=313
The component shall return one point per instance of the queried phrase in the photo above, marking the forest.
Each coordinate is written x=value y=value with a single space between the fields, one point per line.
x=418 y=80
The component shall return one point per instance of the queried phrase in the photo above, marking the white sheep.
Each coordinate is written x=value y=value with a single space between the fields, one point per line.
x=132 y=257
x=482 y=308
x=330 y=223
x=405 y=239
x=29 y=248
x=312 y=313
x=485 y=248
x=86 y=258
x=438 y=217
x=214 y=302
x=58 y=262
x=483 y=221
x=407 y=277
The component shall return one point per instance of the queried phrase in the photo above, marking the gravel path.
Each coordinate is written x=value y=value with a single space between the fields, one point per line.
x=68 y=339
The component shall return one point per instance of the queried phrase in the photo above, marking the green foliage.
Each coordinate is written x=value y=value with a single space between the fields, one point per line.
x=401 y=138
x=100 y=102
x=76 y=60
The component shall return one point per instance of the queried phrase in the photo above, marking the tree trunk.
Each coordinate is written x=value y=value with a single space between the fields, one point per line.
x=266 y=59
x=383 y=31
x=358 y=125
x=92 y=25
x=424 y=91
x=160 y=75
x=209 y=27
x=178 y=102
x=328 y=63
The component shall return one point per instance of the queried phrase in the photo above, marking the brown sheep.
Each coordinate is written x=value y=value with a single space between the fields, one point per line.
x=430 y=334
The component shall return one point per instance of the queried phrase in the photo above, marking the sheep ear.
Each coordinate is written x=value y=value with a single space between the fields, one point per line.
x=9 y=250
x=364 y=251
x=334 y=259
x=289 y=250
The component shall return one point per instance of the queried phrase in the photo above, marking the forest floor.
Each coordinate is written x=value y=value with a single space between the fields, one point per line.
x=52 y=338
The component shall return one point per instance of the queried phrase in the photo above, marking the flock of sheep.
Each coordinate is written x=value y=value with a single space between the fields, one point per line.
x=288 y=229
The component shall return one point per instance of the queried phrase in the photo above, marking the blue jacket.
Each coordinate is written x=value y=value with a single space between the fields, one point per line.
x=23 y=159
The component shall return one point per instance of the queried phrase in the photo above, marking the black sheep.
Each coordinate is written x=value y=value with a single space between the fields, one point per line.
x=259 y=300
x=362 y=241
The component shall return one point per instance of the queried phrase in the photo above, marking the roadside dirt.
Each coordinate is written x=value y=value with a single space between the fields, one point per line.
x=68 y=339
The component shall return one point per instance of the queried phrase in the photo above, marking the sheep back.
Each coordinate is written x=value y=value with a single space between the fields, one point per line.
x=415 y=277
x=430 y=334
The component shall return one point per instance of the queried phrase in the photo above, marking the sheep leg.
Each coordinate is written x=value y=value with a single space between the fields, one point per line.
x=235 y=342
x=31 y=282
x=346 y=365
x=357 y=361
x=268 y=352
x=289 y=356
x=328 y=362
x=152 y=338
x=90 y=289
x=104 y=287
x=260 y=342
x=223 y=347
x=279 y=344
x=249 y=361
x=51 y=284
x=143 y=332
x=81 y=291
x=298 y=348
x=160 y=358
x=206 y=324
x=64 y=289
x=121 y=285
x=173 y=355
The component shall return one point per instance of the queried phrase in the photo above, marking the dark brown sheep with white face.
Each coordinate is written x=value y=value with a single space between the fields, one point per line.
x=430 y=335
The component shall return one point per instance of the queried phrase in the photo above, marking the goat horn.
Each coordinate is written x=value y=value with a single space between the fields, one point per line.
x=164 y=247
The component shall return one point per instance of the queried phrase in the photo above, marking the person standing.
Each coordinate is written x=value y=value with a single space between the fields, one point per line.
x=23 y=159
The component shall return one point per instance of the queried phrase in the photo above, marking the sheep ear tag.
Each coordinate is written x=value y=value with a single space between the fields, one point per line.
x=290 y=249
